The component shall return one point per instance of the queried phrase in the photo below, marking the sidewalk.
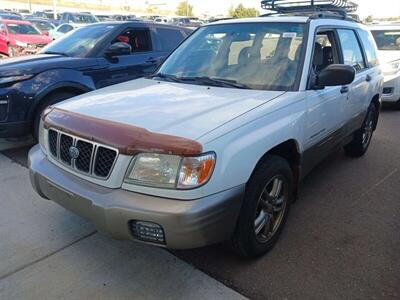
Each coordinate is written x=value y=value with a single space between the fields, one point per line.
x=47 y=253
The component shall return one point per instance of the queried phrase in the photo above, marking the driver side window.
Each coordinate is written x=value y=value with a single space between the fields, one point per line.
x=139 y=39
x=325 y=51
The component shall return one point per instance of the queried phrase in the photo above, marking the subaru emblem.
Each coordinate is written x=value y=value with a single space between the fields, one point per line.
x=73 y=152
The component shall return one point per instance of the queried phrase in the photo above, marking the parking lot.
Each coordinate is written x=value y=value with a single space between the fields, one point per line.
x=342 y=242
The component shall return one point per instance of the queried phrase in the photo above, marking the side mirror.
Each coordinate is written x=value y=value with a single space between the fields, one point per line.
x=3 y=32
x=119 y=48
x=335 y=75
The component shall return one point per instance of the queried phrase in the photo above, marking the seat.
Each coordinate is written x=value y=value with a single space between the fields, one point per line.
x=318 y=59
x=327 y=56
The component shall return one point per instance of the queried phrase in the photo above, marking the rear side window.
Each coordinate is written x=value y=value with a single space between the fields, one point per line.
x=169 y=38
x=369 y=46
x=351 y=49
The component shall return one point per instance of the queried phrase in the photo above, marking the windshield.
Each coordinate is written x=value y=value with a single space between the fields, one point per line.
x=387 y=39
x=21 y=29
x=264 y=56
x=85 y=19
x=43 y=26
x=79 y=42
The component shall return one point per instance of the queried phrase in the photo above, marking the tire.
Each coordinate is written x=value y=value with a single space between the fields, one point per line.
x=49 y=100
x=257 y=232
x=362 y=137
x=11 y=51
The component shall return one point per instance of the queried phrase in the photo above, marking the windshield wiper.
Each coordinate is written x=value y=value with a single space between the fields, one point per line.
x=56 y=53
x=168 y=77
x=220 y=82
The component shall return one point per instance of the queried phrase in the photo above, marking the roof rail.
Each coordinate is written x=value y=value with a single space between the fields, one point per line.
x=291 y=6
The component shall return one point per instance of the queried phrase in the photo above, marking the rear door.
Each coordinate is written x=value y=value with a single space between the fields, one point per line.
x=359 y=90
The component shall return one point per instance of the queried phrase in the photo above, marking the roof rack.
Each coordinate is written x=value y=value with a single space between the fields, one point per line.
x=290 y=6
x=315 y=9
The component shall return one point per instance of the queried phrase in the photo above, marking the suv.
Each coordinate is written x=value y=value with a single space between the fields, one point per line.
x=214 y=145
x=387 y=38
x=86 y=59
x=77 y=18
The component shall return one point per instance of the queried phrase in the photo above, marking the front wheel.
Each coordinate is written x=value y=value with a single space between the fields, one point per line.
x=362 y=138
x=269 y=194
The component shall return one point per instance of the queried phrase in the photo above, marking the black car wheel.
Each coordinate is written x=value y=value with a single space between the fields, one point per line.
x=269 y=194
x=362 y=138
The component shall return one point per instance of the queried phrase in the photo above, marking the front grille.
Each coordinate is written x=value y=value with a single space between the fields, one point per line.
x=3 y=109
x=83 y=156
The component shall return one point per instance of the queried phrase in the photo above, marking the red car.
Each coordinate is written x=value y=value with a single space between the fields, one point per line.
x=20 y=38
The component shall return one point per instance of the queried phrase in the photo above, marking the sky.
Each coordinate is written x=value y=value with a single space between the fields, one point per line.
x=385 y=8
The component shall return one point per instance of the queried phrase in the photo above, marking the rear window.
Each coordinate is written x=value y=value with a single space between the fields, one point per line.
x=369 y=46
x=387 y=39
x=169 y=38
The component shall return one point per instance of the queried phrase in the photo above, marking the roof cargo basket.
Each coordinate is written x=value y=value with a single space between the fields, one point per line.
x=307 y=6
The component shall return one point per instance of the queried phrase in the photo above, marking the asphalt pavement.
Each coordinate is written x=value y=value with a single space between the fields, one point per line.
x=342 y=241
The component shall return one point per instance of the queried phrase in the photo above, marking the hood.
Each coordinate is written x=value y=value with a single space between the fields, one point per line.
x=386 y=56
x=183 y=110
x=34 y=64
x=29 y=38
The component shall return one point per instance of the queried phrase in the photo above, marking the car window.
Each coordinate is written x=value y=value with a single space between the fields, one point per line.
x=369 y=46
x=262 y=56
x=387 y=39
x=22 y=29
x=43 y=26
x=139 y=39
x=352 y=54
x=169 y=38
x=65 y=28
x=325 y=51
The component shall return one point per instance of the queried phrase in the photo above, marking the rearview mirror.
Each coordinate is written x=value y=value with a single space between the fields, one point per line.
x=119 y=48
x=335 y=75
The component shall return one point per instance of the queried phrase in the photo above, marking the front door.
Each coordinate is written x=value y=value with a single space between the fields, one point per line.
x=141 y=62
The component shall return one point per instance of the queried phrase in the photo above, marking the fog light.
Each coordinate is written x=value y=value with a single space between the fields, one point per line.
x=388 y=90
x=147 y=231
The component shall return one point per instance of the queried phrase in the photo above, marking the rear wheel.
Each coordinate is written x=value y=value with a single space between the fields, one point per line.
x=49 y=100
x=362 y=138
x=269 y=194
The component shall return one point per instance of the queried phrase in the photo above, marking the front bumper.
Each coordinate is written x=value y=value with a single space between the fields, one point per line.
x=391 y=89
x=186 y=224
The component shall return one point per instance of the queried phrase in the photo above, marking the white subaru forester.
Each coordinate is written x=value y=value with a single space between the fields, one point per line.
x=213 y=147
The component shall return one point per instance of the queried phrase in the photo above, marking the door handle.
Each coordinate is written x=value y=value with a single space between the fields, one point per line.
x=344 y=90
x=152 y=60
x=368 y=78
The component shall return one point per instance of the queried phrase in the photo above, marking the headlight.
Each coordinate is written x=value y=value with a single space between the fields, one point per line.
x=391 y=68
x=171 y=171
x=13 y=79
x=21 y=44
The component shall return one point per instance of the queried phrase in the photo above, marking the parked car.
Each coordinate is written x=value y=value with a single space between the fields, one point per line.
x=186 y=22
x=10 y=17
x=49 y=15
x=43 y=24
x=62 y=29
x=78 y=18
x=214 y=145
x=20 y=38
x=387 y=38
x=86 y=59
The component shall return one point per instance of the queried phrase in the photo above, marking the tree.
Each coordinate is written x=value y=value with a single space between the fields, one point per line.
x=243 y=12
x=369 y=19
x=184 y=9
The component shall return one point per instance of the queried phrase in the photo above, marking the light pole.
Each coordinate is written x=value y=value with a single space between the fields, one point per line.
x=54 y=9
x=187 y=8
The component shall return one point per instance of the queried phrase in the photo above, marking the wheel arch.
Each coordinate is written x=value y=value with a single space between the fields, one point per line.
x=74 y=88
x=290 y=151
